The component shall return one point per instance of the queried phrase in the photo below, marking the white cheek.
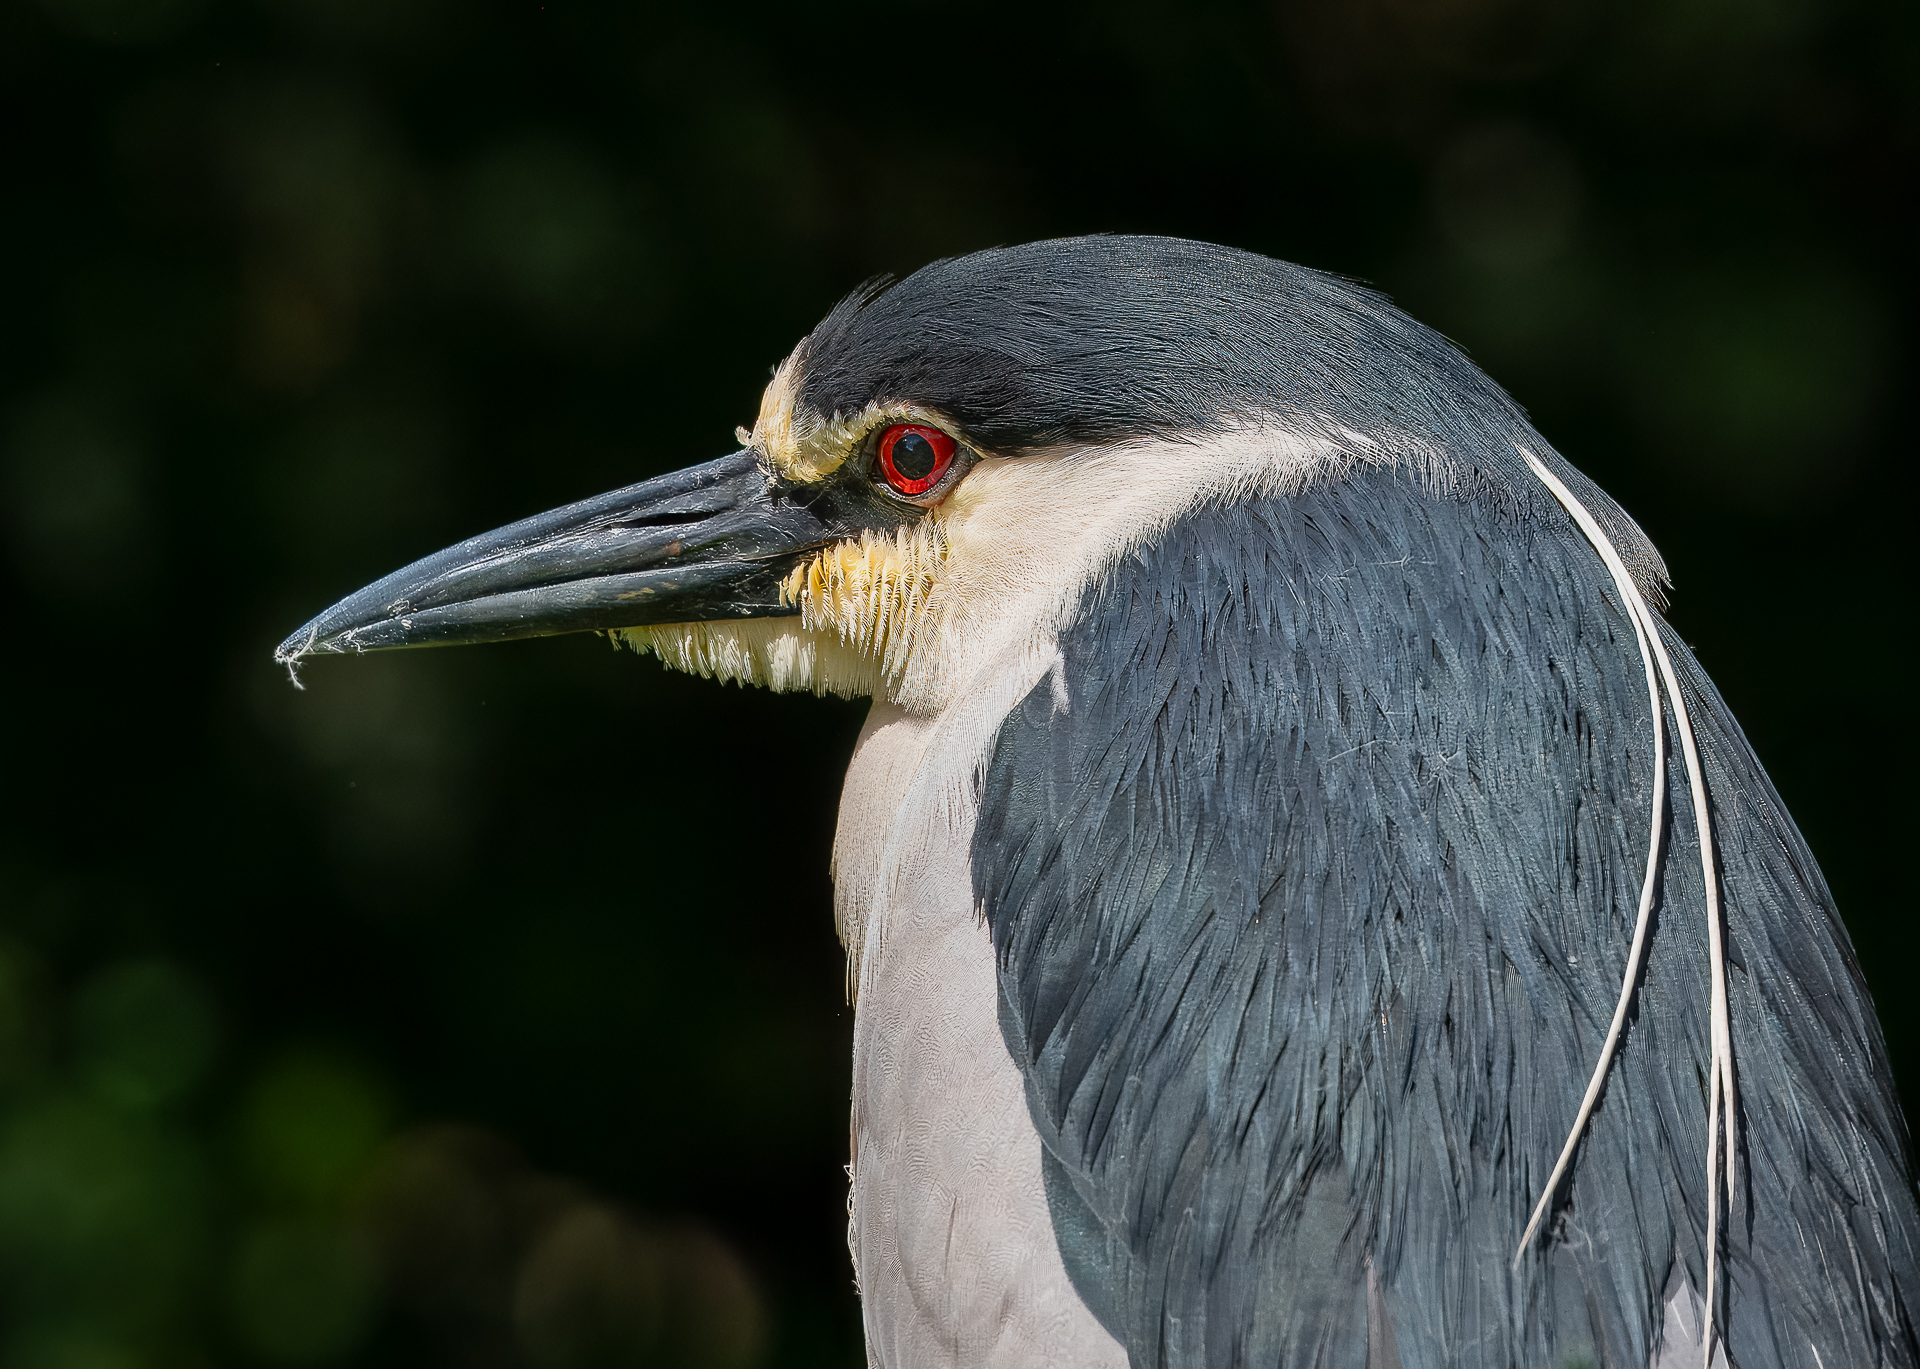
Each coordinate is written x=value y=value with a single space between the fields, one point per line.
x=1028 y=536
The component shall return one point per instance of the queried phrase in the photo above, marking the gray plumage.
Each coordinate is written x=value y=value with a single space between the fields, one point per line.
x=1311 y=908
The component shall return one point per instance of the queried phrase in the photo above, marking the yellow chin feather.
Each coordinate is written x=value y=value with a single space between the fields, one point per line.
x=862 y=608
x=775 y=653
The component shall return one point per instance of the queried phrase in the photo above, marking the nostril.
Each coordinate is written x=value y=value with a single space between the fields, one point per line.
x=677 y=518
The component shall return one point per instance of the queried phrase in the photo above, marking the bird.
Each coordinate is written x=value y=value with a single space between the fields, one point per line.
x=1303 y=904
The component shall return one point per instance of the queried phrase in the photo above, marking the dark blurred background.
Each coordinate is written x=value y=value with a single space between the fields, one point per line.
x=483 y=1008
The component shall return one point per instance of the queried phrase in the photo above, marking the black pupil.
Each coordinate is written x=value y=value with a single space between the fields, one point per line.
x=914 y=457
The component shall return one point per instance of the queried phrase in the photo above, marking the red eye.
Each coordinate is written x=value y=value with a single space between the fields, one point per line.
x=913 y=458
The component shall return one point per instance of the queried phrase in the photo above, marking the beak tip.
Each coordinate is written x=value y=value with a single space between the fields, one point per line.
x=289 y=654
x=307 y=643
x=291 y=650
x=346 y=628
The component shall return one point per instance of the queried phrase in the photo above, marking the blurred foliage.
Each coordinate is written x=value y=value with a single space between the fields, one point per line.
x=482 y=1008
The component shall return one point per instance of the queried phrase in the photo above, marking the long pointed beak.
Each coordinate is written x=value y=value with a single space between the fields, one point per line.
x=713 y=541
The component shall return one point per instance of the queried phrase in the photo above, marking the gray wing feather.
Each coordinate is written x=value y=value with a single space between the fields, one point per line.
x=1311 y=909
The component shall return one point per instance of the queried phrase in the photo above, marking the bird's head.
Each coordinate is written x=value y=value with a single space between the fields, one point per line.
x=942 y=468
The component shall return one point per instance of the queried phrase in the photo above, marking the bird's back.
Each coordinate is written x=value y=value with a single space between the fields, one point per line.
x=1311 y=900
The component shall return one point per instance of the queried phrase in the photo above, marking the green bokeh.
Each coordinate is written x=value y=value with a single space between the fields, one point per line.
x=104 y=1225
x=309 y=1128
x=303 y=1293
x=22 y=1018
x=143 y=1033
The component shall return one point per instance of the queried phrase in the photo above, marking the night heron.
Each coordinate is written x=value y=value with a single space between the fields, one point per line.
x=1303 y=904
